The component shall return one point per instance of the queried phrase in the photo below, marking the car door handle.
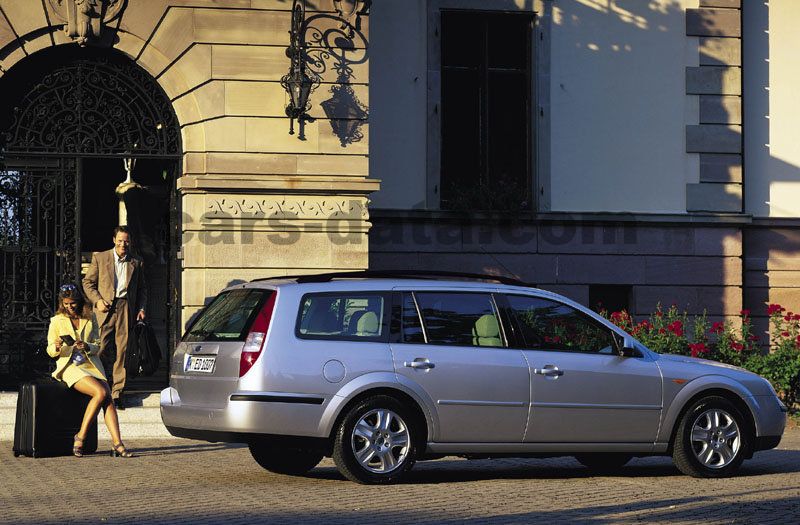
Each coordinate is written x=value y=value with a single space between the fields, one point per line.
x=549 y=370
x=419 y=363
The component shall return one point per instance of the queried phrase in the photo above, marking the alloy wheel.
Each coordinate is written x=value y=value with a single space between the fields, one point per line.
x=715 y=438
x=380 y=441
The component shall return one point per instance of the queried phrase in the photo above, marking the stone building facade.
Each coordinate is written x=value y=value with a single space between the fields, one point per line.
x=241 y=197
x=625 y=152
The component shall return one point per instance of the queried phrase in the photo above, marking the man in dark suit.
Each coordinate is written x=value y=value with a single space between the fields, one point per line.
x=115 y=285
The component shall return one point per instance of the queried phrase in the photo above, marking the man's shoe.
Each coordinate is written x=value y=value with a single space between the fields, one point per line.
x=119 y=404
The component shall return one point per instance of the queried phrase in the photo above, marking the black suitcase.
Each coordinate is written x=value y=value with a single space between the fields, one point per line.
x=143 y=354
x=49 y=414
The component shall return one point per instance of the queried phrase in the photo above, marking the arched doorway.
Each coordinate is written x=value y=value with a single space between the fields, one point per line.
x=69 y=119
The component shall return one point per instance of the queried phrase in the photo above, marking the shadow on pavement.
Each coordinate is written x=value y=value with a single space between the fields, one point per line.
x=464 y=471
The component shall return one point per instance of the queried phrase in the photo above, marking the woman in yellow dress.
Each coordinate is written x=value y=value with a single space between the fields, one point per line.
x=78 y=364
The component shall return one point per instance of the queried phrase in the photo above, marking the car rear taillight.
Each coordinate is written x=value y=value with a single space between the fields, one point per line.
x=258 y=334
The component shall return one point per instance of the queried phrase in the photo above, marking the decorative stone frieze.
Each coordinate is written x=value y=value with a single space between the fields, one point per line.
x=286 y=208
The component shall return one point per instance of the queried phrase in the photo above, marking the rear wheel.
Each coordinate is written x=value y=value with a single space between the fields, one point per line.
x=712 y=439
x=375 y=441
x=599 y=462
x=285 y=460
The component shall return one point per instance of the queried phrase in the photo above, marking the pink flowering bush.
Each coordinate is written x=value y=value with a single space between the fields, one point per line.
x=670 y=331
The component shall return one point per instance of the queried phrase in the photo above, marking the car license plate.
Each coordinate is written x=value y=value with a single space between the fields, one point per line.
x=200 y=364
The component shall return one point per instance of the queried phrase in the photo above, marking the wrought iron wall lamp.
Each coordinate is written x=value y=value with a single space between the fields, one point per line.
x=297 y=82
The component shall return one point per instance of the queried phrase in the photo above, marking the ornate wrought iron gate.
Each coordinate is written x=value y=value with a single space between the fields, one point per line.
x=38 y=251
x=71 y=104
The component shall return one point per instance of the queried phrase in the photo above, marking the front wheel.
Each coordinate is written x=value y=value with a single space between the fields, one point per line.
x=285 y=460
x=375 y=441
x=712 y=439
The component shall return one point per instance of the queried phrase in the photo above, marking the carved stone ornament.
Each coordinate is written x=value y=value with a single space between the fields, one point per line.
x=287 y=208
x=85 y=18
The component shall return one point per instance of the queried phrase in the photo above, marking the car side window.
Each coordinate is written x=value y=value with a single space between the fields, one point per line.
x=461 y=319
x=550 y=325
x=348 y=316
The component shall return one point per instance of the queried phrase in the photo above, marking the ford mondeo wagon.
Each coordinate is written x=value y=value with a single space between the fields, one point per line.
x=380 y=372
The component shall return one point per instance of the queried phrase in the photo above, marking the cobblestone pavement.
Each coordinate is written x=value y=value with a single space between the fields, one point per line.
x=182 y=481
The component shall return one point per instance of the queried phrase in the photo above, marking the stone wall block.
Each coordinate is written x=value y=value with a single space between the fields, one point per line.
x=713 y=80
x=703 y=271
x=188 y=72
x=240 y=62
x=601 y=269
x=209 y=100
x=713 y=138
x=25 y=16
x=773 y=242
x=726 y=242
x=757 y=299
x=720 y=51
x=716 y=301
x=720 y=167
x=767 y=279
x=733 y=4
x=623 y=238
x=318 y=5
x=714 y=22
x=6 y=33
x=174 y=35
x=577 y=292
x=714 y=197
x=720 y=110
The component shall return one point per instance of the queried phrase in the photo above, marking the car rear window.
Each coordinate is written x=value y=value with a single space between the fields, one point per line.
x=228 y=317
x=344 y=316
x=462 y=319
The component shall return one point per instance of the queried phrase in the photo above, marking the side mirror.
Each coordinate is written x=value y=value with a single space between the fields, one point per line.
x=627 y=347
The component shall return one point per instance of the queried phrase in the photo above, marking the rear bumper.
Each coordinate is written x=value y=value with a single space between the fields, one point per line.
x=244 y=415
x=216 y=436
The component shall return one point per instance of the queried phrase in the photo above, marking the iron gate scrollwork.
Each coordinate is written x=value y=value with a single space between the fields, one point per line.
x=38 y=251
x=106 y=106
x=94 y=107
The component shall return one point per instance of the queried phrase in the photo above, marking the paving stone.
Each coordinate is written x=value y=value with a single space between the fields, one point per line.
x=191 y=482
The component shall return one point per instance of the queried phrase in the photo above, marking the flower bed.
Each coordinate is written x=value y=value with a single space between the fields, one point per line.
x=777 y=359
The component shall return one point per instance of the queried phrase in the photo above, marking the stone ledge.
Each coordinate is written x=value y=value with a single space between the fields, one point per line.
x=326 y=185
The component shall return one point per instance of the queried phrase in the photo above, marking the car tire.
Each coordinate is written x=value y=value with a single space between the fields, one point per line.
x=376 y=441
x=712 y=439
x=282 y=460
x=610 y=462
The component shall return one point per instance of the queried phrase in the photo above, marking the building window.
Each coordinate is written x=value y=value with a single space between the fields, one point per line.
x=486 y=141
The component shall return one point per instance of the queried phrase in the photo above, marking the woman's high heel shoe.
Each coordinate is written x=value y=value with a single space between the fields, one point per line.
x=77 y=450
x=119 y=451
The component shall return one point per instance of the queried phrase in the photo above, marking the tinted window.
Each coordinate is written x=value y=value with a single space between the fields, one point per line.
x=466 y=319
x=486 y=110
x=228 y=317
x=338 y=316
x=548 y=325
x=411 y=326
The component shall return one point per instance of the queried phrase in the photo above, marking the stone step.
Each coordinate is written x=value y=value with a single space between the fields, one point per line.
x=141 y=418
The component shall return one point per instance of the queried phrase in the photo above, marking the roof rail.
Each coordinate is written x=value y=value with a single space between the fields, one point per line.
x=398 y=274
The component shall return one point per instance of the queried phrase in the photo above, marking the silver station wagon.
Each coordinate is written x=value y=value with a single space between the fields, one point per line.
x=379 y=371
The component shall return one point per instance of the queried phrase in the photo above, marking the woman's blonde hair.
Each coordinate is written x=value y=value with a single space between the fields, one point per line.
x=70 y=291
